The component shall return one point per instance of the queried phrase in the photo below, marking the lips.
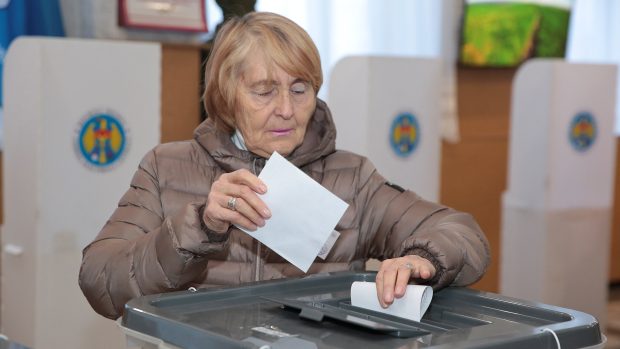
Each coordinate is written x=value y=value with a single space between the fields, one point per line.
x=281 y=131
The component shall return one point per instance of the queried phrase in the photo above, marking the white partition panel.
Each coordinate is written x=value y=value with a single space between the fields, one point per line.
x=388 y=109
x=556 y=221
x=79 y=116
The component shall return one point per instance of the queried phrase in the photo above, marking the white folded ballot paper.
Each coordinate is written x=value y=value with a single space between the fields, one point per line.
x=411 y=306
x=303 y=213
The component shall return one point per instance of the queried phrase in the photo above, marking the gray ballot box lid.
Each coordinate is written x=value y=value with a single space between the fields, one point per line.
x=315 y=311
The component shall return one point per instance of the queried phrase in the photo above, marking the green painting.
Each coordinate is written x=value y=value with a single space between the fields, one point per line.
x=506 y=34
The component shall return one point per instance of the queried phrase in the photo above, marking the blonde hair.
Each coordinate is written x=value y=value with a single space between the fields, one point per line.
x=279 y=39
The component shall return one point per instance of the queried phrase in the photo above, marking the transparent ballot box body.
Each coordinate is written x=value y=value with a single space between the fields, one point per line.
x=316 y=312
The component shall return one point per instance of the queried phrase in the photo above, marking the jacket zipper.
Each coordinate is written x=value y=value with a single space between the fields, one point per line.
x=258 y=271
x=259 y=268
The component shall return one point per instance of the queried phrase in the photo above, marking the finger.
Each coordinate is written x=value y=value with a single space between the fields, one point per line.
x=415 y=269
x=253 y=201
x=219 y=205
x=240 y=205
x=248 y=212
x=246 y=193
x=389 y=280
x=237 y=219
x=242 y=183
x=404 y=273
x=427 y=271
x=241 y=221
x=379 y=286
x=219 y=216
x=247 y=178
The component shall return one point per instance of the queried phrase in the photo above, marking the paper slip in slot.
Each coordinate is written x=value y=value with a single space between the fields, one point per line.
x=411 y=306
x=303 y=213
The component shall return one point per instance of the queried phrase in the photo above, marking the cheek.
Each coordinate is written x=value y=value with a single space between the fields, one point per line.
x=252 y=124
x=308 y=111
x=244 y=124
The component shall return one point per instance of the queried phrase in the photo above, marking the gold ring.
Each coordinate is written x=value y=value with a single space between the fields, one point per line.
x=232 y=202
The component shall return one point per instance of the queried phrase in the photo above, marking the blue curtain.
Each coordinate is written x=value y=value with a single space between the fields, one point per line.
x=27 y=17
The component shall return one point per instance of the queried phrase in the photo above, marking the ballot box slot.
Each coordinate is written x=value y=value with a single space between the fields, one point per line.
x=394 y=326
x=436 y=318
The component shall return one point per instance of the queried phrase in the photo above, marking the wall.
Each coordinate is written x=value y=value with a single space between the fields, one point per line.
x=474 y=169
x=614 y=270
x=181 y=91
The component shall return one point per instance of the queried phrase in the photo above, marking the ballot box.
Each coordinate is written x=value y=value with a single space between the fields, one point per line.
x=316 y=312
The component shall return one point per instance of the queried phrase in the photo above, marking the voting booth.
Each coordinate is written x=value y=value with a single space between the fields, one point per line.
x=557 y=210
x=79 y=116
x=388 y=109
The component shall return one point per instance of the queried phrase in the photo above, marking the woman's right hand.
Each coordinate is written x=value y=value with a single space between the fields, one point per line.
x=233 y=200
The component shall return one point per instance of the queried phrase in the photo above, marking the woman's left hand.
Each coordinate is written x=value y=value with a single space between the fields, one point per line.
x=394 y=275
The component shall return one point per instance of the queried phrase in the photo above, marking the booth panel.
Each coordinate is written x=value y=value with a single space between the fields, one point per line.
x=350 y=113
x=582 y=142
x=529 y=152
x=387 y=108
x=80 y=115
x=18 y=262
x=564 y=195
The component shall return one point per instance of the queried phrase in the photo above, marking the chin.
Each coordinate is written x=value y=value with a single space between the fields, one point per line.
x=283 y=147
x=284 y=150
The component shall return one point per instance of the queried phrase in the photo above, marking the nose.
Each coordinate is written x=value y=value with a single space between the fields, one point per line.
x=284 y=107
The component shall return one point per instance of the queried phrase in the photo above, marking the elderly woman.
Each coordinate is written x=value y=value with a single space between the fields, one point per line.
x=175 y=226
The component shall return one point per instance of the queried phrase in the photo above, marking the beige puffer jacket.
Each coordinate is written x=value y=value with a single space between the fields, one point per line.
x=154 y=241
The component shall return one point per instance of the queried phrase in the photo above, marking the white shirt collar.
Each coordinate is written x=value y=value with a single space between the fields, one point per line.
x=237 y=139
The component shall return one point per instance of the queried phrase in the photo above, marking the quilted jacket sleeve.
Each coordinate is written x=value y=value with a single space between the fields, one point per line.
x=398 y=222
x=139 y=251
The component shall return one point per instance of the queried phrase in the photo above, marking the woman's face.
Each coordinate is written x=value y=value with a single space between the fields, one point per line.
x=274 y=111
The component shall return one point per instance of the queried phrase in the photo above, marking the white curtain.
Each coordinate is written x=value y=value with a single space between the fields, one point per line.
x=422 y=28
x=431 y=28
x=594 y=36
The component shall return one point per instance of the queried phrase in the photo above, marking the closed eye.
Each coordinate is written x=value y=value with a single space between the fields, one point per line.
x=299 y=88
x=265 y=94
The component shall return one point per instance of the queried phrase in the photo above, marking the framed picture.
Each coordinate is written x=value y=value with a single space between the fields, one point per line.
x=181 y=15
x=505 y=33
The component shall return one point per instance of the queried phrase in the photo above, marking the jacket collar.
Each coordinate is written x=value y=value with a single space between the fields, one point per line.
x=319 y=141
